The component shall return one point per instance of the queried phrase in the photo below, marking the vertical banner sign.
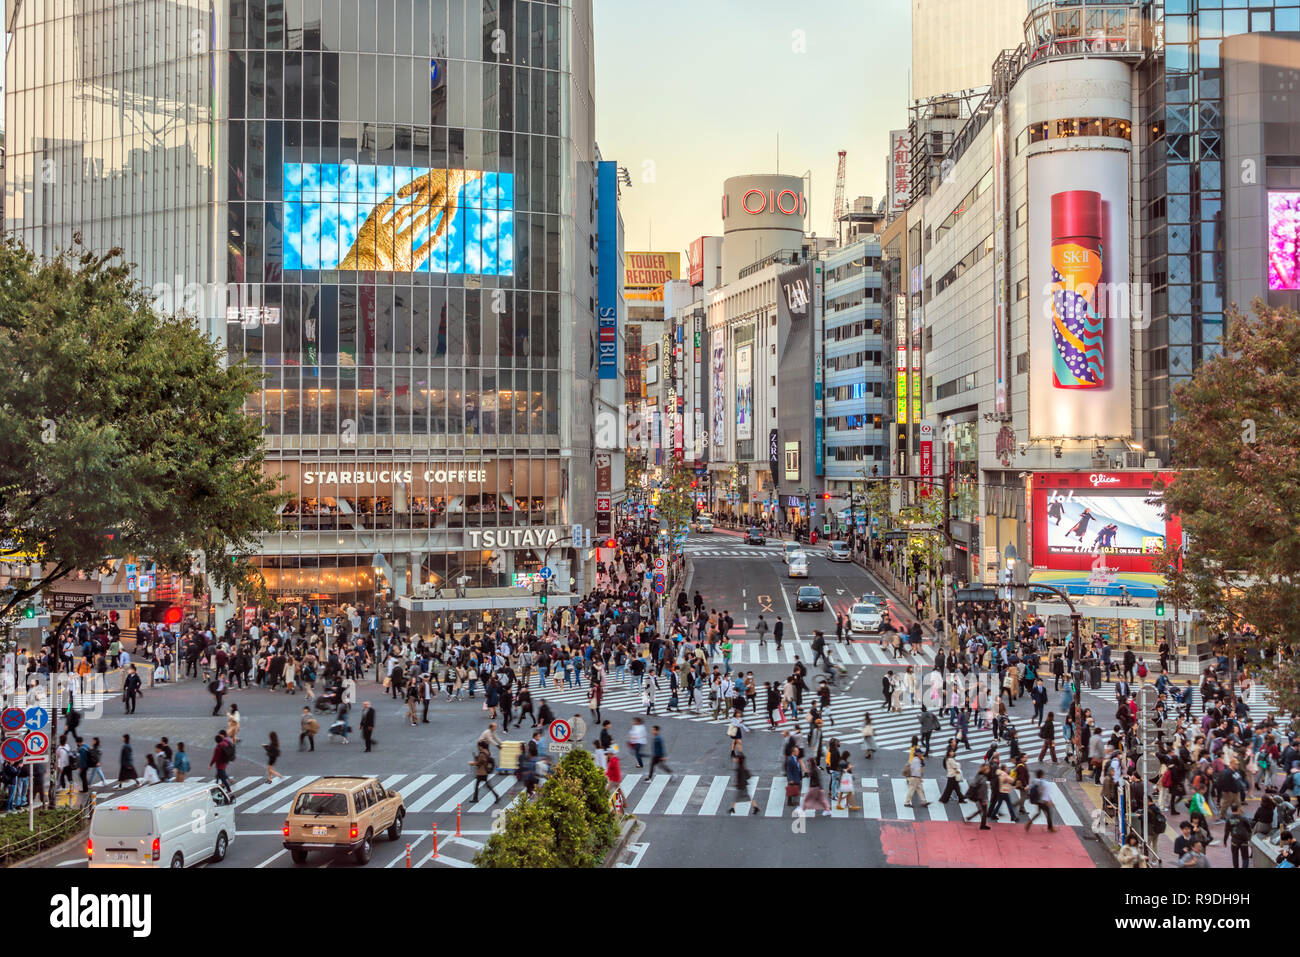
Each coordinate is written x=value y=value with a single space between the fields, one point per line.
x=901 y=390
x=604 y=483
x=717 y=376
x=900 y=170
x=1000 y=264
x=607 y=230
x=745 y=392
x=1080 y=381
x=927 y=455
x=695 y=259
x=916 y=385
x=774 y=457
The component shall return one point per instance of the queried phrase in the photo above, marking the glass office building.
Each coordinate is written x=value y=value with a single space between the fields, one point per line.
x=381 y=204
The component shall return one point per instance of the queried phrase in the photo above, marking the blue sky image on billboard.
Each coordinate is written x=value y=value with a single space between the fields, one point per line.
x=398 y=219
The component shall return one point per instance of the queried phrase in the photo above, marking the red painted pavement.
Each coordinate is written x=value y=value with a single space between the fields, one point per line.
x=956 y=844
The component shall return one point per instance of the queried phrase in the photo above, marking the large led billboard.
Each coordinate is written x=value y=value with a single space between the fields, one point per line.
x=1284 y=241
x=745 y=393
x=1080 y=382
x=398 y=219
x=1078 y=516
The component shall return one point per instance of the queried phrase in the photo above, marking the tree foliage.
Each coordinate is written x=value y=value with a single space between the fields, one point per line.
x=676 y=502
x=122 y=433
x=1236 y=443
x=569 y=824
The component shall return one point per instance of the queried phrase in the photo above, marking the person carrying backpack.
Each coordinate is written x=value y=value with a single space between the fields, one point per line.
x=1236 y=834
x=484 y=765
x=222 y=755
x=1039 y=799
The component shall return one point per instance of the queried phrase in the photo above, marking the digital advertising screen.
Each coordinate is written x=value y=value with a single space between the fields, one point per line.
x=1112 y=524
x=398 y=219
x=745 y=393
x=1077 y=516
x=1284 y=241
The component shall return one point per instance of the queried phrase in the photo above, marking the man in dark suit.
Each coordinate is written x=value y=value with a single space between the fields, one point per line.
x=368 y=724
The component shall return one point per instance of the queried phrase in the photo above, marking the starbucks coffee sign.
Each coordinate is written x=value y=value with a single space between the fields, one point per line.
x=395 y=473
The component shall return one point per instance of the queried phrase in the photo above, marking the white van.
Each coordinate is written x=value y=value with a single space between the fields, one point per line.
x=162 y=825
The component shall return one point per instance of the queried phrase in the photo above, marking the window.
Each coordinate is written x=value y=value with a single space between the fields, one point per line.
x=970 y=259
x=955 y=386
x=1080 y=126
x=1022 y=363
x=1022 y=214
x=1022 y=289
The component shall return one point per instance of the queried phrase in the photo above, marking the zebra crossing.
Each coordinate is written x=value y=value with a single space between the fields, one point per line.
x=893 y=730
x=750 y=651
x=679 y=795
x=701 y=550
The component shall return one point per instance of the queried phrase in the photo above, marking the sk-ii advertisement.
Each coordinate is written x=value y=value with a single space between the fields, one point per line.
x=607 y=255
x=398 y=219
x=1079 y=318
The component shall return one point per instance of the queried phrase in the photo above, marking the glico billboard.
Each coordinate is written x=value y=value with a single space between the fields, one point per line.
x=1077 y=517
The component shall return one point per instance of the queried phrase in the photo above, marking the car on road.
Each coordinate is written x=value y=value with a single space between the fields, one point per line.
x=788 y=549
x=839 y=552
x=810 y=598
x=344 y=815
x=755 y=536
x=798 y=565
x=872 y=598
x=865 y=618
x=703 y=524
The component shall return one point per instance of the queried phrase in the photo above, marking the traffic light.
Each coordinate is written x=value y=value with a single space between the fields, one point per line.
x=172 y=616
x=826 y=496
x=610 y=544
x=29 y=611
x=1160 y=608
x=543 y=598
x=694 y=483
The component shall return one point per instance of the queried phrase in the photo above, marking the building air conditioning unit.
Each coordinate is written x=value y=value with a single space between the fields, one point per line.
x=1133 y=460
x=1117 y=462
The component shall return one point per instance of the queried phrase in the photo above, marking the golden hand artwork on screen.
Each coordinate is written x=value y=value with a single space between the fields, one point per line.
x=386 y=240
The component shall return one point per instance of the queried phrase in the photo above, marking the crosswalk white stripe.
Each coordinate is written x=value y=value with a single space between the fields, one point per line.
x=413 y=787
x=938 y=812
x=243 y=799
x=899 y=787
x=683 y=796
x=628 y=784
x=392 y=779
x=458 y=798
x=712 y=800
x=870 y=799
x=283 y=790
x=654 y=788
x=429 y=796
x=775 y=798
x=1064 y=810
x=241 y=783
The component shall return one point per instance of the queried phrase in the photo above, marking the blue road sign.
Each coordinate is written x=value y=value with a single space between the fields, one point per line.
x=13 y=749
x=546 y=572
x=659 y=584
x=327 y=622
x=37 y=719
x=13 y=719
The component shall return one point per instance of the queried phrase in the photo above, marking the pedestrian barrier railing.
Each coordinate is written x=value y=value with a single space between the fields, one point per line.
x=1117 y=823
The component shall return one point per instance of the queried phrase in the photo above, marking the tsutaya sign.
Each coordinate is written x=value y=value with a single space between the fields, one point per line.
x=395 y=473
x=513 y=537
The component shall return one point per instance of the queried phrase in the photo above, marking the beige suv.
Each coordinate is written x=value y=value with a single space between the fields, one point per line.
x=342 y=814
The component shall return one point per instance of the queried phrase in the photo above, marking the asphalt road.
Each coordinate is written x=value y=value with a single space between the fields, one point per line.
x=686 y=816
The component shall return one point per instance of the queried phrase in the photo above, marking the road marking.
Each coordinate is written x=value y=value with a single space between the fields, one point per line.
x=744 y=593
x=392 y=779
x=904 y=812
x=654 y=788
x=683 y=795
x=414 y=786
x=401 y=857
x=428 y=798
x=794 y=625
x=765 y=603
x=458 y=798
x=938 y=810
x=713 y=799
x=870 y=799
x=265 y=786
x=775 y=798
x=278 y=853
x=277 y=796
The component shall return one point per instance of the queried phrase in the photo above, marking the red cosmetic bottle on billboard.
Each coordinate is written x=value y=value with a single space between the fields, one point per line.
x=1078 y=330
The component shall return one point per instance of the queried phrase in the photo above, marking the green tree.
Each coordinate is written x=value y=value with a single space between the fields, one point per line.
x=676 y=499
x=570 y=824
x=1236 y=439
x=121 y=432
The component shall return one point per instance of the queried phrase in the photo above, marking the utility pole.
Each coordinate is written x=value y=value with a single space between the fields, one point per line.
x=1148 y=765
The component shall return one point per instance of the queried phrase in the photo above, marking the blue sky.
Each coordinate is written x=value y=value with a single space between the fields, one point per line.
x=689 y=92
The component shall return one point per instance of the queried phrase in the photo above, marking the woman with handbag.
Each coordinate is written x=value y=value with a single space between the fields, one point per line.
x=742 y=786
x=846 y=784
x=272 y=749
x=736 y=731
x=868 y=736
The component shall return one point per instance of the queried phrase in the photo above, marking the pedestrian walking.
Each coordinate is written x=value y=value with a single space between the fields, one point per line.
x=1048 y=733
x=636 y=740
x=1039 y=799
x=914 y=771
x=368 y=725
x=233 y=721
x=126 y=762
x=658 y=755
x=952 y=767
x=845 y=771
x=868 y=736
x=217 y=688
x=736 y=732
x=742 y=785
x=222 y=754
x=272 y=749
x=483 y=767
x=131 y=689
